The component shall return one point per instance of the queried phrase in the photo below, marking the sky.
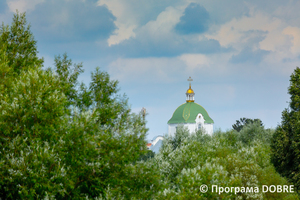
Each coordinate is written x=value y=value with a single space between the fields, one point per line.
x=240 y=54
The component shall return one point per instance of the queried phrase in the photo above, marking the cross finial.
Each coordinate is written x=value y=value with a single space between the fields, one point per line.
x=143 y=111
x=190 y=80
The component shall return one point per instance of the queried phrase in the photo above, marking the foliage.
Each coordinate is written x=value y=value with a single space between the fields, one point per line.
x=19 y=44
x=148 y=155
x=286 y=140
x=254 y=131
x=61 y=141
x=68 y=76
x=238 y=126
x=224 y=159
x=101 y=94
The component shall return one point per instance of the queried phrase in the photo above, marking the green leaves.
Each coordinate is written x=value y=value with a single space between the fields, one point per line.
x=21 y=50
x=48 y=150
x=294 y=90
x=33 y=103
x=68 y=76
x=60 y=139
x=238 y=126
x=226 y=159
x=286 y=140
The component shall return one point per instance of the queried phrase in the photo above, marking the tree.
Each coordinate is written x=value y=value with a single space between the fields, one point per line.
x=68 y=73
x=61 y=141
x=100 y=95
x=238 y=126
x=31 y=126
x=285 y=143
x=220 y=159
x=19 y=44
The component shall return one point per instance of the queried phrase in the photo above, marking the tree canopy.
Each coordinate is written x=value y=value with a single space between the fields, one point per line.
x=286 y=140
x=190 y=160
x=19 y=44
x=59 y=138
x=238 y=126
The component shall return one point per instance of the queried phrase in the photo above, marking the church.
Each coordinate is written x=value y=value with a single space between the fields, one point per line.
x=190 y=115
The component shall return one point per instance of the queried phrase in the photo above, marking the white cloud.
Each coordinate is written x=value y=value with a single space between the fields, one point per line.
x=145 y=69
x=22 y=5
x=122 y=33
x=126 y=20
x=131 y=16
x=295 y=33
x=169 y=69
x=263 y=30
x=164 y=22
x=195 y=60
x=211 y=64
x=234 y=33
x=275 y=41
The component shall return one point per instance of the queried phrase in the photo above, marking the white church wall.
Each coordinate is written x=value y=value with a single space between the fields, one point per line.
x=209 y=129
x=193 y=127
x=172 y=129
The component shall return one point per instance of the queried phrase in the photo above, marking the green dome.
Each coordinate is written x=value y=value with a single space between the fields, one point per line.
x=187 y=113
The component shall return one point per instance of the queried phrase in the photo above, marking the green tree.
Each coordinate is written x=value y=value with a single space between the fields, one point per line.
x=286 y=140
x=68 y=73
x=238 y=126
x=222 y=159
x=61 y=141
x=19 y=44
x=102 y=93
x=31 y=126
x=110 y=105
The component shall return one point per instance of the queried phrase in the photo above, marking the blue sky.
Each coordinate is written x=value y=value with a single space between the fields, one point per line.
x=240 y=54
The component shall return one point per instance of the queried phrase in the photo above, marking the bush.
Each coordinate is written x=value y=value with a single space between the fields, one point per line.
x=230 y=159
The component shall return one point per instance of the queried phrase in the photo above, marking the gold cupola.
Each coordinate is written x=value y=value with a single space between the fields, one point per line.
x=190 y=93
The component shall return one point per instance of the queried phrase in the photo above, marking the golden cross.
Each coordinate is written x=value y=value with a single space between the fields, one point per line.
x=190 y=79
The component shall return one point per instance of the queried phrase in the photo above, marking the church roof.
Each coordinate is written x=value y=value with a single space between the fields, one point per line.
x=190 y=91
x=187 y=113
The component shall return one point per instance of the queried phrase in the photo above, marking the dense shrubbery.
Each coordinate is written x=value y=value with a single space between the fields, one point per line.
x=230 y=159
